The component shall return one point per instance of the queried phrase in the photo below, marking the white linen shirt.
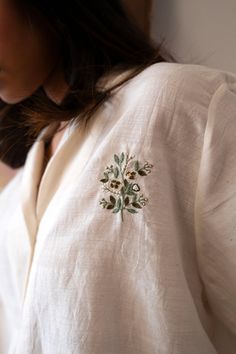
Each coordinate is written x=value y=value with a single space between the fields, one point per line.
x=126 y=242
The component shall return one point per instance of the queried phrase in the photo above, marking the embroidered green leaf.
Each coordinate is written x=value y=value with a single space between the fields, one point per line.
x=136 y=165
x=142 y=173
x=137 y=205
x=116 y=210
x=133 y=211
x=112 y=199
x=126 y=191
x=110 y=206
x=116 y=172
x=126 y=183
x=119 y=203
x=129 y=187
x=104 y=180
x=126 y=201
x=122 y=157
x=122 y=190
x=116 y=158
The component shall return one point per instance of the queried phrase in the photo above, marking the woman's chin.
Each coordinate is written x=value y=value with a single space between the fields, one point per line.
x=12 y=98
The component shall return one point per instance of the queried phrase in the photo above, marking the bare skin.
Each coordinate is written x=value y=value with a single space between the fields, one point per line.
x=28 y=60
x=6 y=173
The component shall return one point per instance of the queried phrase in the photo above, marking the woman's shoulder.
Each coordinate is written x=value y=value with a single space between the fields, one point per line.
x=183 y=75
x=176 y=72
x=174 y=84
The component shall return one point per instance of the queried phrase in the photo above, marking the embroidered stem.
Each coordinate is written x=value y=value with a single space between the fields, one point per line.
x=109 y=190
x=122 y=214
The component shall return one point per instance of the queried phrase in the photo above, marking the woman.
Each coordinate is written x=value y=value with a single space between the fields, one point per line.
x=118 y=231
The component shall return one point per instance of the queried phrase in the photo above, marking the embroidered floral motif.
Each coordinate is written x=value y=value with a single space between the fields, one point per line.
x=121 y=181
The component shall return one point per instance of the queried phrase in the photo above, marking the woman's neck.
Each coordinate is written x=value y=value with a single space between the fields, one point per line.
x=52 y=146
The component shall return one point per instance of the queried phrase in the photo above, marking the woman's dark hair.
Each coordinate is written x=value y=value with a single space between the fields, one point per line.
x=95 y=38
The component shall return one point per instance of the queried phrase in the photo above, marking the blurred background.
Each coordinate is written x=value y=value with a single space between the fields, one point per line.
x=198 y=32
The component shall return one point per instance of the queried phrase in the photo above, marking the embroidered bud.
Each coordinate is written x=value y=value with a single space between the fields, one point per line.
x=147 y=167
x=136 y=187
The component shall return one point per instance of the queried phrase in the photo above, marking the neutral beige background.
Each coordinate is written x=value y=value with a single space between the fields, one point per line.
x=202 y=31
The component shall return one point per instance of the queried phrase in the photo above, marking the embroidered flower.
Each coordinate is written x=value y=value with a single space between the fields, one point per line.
x=115 y=184
x=124 y=194
x=131 y=175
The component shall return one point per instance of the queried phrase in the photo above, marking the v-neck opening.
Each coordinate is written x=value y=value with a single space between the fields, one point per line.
x=46 y=163
x=40 y=180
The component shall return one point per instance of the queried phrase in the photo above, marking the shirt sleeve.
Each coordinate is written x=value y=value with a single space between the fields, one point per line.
x=215 y=207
